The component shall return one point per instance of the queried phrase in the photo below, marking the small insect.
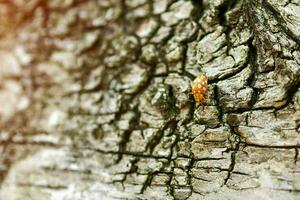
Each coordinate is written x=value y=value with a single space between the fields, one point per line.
x=199 y=88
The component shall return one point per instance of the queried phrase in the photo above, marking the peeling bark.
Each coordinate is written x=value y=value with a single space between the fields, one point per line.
x=97 y=99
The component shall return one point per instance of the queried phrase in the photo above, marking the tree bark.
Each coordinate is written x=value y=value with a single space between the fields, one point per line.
x=96 y=99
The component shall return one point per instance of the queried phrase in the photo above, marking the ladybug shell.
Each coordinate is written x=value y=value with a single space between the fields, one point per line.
x=199 y=88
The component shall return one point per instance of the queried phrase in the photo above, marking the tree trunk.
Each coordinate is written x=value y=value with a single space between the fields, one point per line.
x=97 y=104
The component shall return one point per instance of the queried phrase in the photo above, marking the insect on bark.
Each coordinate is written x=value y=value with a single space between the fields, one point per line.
x=199 y=88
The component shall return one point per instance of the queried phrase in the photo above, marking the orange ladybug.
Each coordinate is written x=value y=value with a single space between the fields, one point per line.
x=199 y=88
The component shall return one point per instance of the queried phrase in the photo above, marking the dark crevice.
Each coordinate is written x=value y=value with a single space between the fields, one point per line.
x=160 y=134
x=296 y=156
x=147 y=183
x=127 y=133
x=198 y=4
x=235 y=147
x=231 y=167
x=290 y=93
x=127 y=99
x=67 y=170
x=189 y=172
x=123 y=15
x=254 y=72
x=271 y=146
x=222 y=10
x=49 y=187
x=218 y=106
x=183 y=59
x=229 y=75
x=123 y=143
x=241 y=173
x=282 y=24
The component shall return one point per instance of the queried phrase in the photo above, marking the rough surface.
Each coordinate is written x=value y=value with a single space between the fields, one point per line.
x=96 y=99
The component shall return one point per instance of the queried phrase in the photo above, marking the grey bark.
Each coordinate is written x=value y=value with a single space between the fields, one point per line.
x=96 y=99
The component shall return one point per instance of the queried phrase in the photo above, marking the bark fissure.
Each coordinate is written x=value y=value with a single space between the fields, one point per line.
x=98 y=100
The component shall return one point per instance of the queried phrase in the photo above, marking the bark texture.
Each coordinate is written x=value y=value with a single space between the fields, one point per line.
x=96 y=99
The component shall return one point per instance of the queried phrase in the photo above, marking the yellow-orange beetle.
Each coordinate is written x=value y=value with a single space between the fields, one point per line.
x=199 y=88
